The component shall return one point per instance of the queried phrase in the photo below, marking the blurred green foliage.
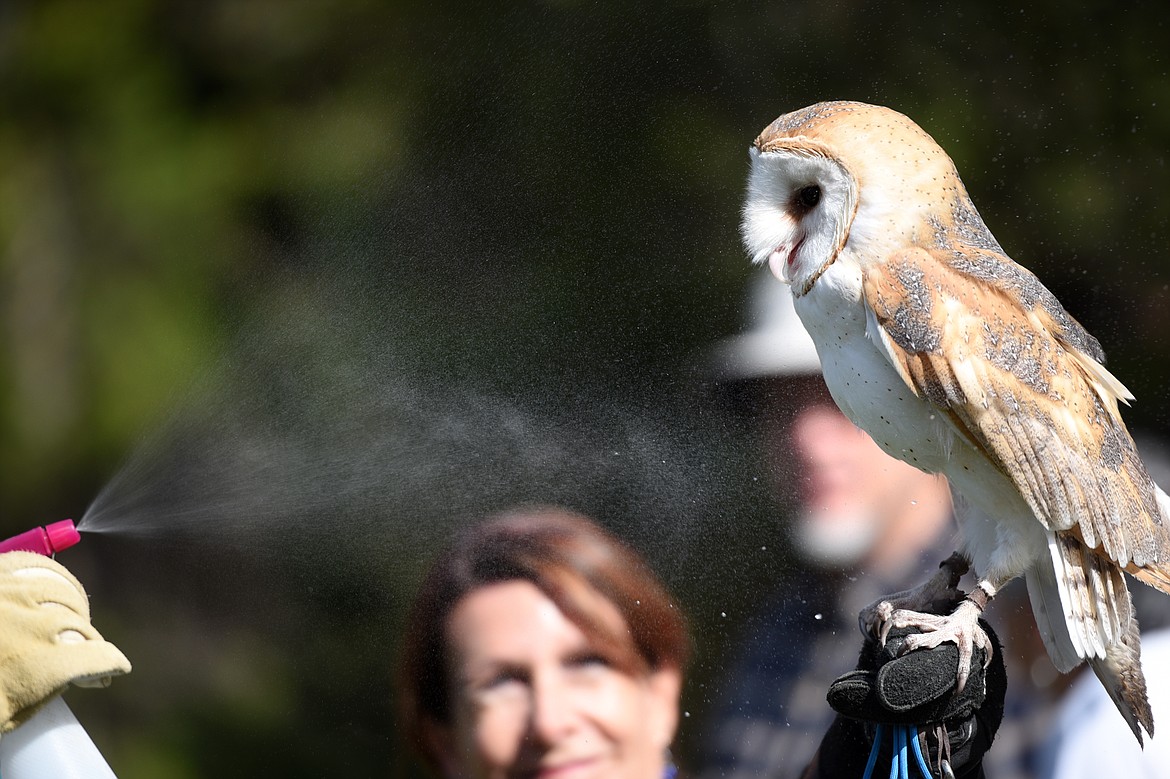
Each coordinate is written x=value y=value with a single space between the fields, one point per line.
x=534 y=200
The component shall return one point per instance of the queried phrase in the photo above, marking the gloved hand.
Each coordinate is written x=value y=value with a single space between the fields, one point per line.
x=46 y=639
x=915 y=689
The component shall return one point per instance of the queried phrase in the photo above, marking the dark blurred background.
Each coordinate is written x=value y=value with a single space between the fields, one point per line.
x=306 y=284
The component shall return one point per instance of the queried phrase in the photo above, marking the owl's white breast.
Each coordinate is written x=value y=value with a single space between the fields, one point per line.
x=868 y=389
x=861 y=379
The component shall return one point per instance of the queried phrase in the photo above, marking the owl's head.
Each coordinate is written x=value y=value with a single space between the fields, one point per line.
x=839 y=177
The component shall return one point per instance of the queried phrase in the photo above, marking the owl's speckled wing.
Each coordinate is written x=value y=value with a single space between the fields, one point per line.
x=984 y=341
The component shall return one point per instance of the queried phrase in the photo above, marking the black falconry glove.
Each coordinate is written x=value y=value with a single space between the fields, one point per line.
x=917 y=689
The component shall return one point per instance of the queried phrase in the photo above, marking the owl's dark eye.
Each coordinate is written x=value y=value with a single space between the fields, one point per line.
x=808 y=197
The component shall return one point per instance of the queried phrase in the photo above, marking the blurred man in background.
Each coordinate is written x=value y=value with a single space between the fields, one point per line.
x=864 y=525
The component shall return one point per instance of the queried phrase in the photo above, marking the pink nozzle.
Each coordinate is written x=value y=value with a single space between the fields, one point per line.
x=62 y=535
x=47 y=540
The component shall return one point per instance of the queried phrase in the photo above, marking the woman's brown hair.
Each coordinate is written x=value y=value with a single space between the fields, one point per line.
x=568 y=558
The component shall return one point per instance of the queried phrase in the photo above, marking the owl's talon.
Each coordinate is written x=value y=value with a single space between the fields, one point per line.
x=960 y=627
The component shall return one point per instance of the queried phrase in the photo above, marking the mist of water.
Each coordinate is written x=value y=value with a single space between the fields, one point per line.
x=318 y=431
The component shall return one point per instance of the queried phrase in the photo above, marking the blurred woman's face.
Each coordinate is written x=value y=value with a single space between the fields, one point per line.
x=534 y=699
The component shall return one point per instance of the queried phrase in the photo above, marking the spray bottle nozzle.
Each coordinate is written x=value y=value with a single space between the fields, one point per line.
x=47 y=540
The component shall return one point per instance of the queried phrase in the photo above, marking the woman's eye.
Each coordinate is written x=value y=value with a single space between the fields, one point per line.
x=502 y=679
x=590 y=660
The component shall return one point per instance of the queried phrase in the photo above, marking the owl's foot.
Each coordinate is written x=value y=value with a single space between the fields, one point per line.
x=960 y=627
x=918 y=608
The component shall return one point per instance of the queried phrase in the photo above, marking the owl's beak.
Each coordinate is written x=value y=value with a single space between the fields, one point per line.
x=783 y=258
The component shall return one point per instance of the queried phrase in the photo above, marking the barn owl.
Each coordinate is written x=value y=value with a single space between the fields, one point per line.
x=959 y=361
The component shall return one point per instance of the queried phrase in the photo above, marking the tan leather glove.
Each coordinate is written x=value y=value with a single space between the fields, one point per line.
x=46 y=640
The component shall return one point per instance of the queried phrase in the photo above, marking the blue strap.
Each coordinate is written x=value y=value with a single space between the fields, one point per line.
x=873 y=753
x=900 y=754
x=918 y=756
x=904 y=738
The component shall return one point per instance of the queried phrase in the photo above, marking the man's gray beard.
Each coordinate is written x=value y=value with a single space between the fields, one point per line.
x=840 y=540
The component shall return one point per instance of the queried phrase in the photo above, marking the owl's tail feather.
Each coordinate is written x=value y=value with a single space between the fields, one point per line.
x=1084 y=612
x=1120 y=672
